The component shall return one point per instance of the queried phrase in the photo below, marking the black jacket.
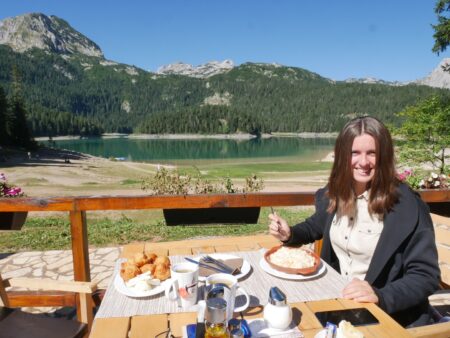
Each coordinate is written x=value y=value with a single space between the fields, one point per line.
x=404 y=268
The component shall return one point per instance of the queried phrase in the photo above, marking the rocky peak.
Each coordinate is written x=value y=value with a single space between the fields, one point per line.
x=48 y=33
x=372 y=80
x=439 y=77
x=202 y=71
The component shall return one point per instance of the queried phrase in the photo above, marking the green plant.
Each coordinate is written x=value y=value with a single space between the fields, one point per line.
x=172 y=182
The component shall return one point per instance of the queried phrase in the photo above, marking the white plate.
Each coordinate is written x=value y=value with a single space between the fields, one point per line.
x=245 y=269
x=120 y=286
x=267 y=268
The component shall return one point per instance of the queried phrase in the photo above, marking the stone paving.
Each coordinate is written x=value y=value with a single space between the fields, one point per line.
x=57 y=264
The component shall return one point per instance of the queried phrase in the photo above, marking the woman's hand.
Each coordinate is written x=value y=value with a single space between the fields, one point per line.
x=279 y=228
x=360 y=291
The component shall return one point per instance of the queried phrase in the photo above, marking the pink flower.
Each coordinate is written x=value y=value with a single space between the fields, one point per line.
x=13 y=191
x=7 y=190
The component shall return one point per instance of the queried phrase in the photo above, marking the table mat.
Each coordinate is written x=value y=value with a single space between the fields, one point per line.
x=257 y=283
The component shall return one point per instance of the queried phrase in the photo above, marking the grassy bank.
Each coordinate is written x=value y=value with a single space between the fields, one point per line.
x=53 y=233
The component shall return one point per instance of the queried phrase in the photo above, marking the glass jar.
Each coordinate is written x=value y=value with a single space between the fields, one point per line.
x=216 y=318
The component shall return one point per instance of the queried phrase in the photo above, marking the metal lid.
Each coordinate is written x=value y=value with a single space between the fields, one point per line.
x=216 y=310
x=215 y=291
x=236 y=333
x=276 y=296
x=233 y=324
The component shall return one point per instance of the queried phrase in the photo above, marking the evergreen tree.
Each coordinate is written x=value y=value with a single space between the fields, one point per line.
x=4 y=135
x=442 y=29
x=19 y=131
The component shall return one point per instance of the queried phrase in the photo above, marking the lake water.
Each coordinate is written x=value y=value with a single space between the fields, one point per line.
x=210 y=150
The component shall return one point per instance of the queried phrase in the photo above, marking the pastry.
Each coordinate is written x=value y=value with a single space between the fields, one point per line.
x=162 y=260
x=157 y=266
x=162 y=272
x=347 y=330
x=129 y=271
x=148 y=267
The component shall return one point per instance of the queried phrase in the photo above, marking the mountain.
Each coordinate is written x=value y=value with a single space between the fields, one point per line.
x=70 y=88
x=48 y=33
x=439 y=77
x=372 y=80
x=203 y=71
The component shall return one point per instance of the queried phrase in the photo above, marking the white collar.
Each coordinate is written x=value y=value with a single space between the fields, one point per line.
x=364 y=195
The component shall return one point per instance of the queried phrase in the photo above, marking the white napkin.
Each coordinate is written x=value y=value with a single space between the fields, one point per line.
x=259 y=328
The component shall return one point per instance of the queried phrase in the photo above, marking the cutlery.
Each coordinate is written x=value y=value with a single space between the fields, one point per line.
x=204 y=265
x=278 y=223
x=220 y=264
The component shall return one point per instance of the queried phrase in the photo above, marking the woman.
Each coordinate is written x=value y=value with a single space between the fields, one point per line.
x=376 y=231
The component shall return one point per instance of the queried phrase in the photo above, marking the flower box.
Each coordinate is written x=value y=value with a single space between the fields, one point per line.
x=247 y=215
x=12 y=220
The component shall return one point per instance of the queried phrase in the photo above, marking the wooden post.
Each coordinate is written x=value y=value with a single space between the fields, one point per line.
x=80 y=252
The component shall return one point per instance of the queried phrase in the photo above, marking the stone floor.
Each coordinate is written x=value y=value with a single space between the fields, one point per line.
x=57 y=264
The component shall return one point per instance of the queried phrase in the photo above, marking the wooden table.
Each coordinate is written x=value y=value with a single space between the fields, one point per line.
x=304 y=318
x=152 y=325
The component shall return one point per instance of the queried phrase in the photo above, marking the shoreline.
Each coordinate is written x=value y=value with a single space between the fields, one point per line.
x=237 y=136
x=58 y=172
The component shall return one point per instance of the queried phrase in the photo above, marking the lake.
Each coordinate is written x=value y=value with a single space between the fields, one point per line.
x=185 y=151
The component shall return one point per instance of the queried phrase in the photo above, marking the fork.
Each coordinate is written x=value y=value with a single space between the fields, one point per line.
x=222 y=265
x=278 y=223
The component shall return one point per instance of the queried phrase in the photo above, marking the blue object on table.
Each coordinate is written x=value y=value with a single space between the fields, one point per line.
x=195 y=330
x=190 y=330
x=246 y=329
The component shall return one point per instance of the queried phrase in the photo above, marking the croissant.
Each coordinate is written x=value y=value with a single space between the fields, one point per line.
x=140 y=259
x=129 y=271
x=148 y=267
x=162 y=260
x=162 y=272
x=151 y=256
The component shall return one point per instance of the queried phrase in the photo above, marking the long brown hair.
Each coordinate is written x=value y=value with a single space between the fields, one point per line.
x=382 y=187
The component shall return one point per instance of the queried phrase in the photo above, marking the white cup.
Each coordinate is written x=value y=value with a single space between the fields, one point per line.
x=183 y=286
x=231 y=289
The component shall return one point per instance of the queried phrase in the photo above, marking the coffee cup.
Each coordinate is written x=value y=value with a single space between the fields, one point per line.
x=231 y=289
x=183 y=286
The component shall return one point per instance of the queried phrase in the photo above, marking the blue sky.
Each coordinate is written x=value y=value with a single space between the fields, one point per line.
x=386 y=39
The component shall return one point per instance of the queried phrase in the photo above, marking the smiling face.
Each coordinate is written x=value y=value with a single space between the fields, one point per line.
x=363 y=162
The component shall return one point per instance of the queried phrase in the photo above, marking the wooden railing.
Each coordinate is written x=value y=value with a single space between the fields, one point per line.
x=78 y=206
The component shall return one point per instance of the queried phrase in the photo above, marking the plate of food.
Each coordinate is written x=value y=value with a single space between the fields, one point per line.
x=292 y=260
x=242 y=265
x=145 y=274
x=292 y=263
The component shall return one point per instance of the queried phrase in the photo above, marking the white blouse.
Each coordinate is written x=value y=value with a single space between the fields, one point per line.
x=354 y=239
